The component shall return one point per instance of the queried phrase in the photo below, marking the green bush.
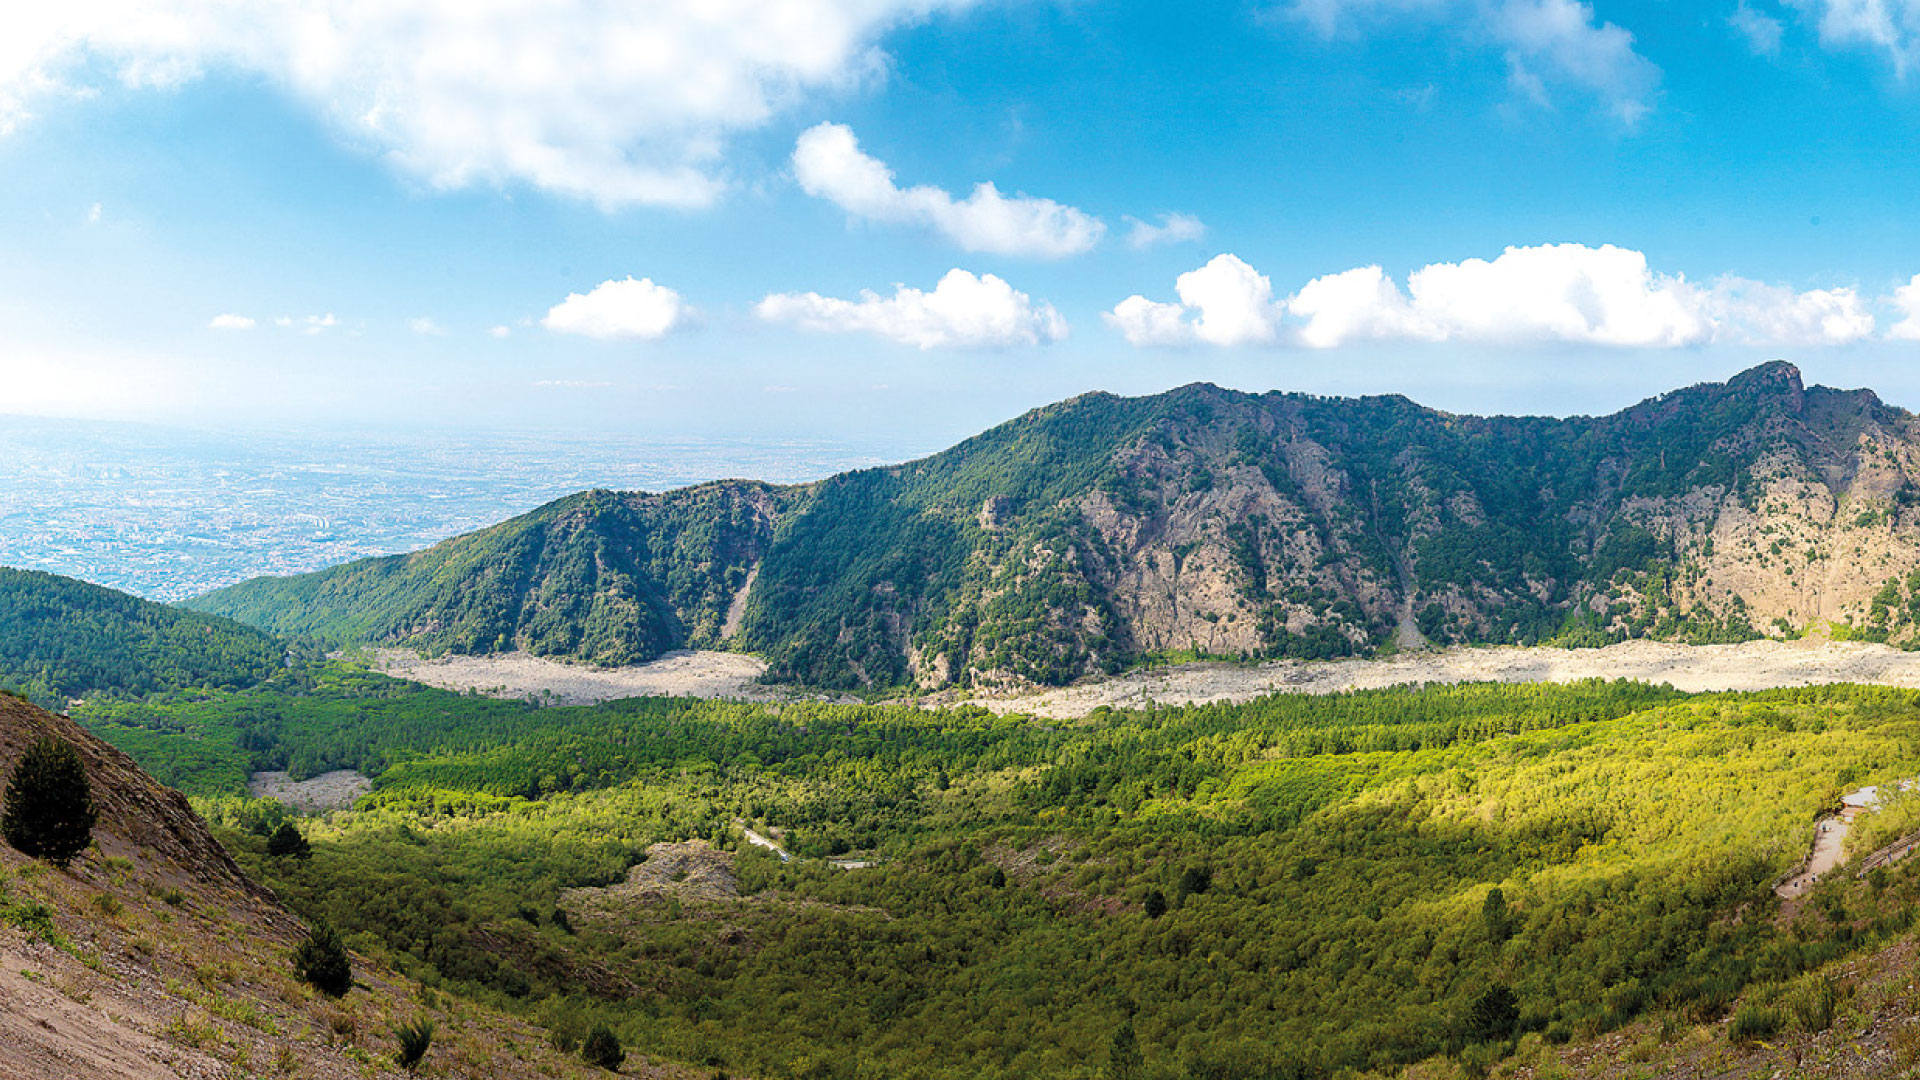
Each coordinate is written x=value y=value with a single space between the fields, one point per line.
x=1813 y=1005
x=1754 y=1021
x=602 y=1048
x=49 y=810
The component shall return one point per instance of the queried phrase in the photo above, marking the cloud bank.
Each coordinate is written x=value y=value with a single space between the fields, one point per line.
x=1554 y=293
x=962 y=311
x=616 y=103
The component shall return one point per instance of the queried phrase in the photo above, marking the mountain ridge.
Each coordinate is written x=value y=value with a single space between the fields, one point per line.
x=1088 y=534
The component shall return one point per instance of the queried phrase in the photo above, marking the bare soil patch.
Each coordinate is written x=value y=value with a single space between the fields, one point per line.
x=701 y=674
x=334 y=790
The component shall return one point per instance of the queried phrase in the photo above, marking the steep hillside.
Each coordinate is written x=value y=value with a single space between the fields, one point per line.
x=1086 y=535
x=61 y=638
x=153 y=956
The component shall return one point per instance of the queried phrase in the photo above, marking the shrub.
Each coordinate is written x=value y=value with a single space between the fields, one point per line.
x=322 y=961
x=602 y=1048
x=1754 y=1021
x=287 y=840
x=414 y=1039
x=1813 y=1006
x=1156 y=904
x=49 y=809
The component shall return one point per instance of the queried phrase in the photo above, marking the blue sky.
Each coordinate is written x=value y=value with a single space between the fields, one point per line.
x=417 y=192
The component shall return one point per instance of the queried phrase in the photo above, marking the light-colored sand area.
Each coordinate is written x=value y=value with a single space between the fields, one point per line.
x=334 y=790
x=1753 y=665
x=519 y=675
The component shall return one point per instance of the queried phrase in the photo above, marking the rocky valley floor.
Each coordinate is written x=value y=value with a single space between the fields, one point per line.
x=1753 y=665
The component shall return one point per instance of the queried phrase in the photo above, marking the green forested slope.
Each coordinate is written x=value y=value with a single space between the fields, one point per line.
x=1090 y=534
x=605 y=577
x=1299 y=887
x=62 y=638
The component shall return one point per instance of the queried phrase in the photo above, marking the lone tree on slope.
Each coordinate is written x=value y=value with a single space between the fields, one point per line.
x=49 y=810
x=322 y=961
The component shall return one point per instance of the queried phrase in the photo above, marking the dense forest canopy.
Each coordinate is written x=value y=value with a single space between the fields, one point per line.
x=61 y=638
x=1092 y=534
x=1294 y=887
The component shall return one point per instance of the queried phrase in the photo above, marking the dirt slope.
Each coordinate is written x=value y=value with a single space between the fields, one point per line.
x=155 y=956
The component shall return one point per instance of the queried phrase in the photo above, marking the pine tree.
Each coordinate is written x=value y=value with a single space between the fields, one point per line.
x=602 y=1048
x=286 y=840
x=323 y=962
x=49 y=810
x=1493 y=1015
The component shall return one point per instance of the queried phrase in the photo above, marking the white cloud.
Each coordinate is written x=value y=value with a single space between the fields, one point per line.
x=828 y=162
x=1906 y=300
x=617 y=309
x=1225 y=302
x=1554 y=293
x=1762 y=32
x=1173 y=229
x=1545 y=42
x=230 y=321
x=425 y=325
x=1890 y=26
x=1560 y=292
x=962 y=311
x=93 y=214
x=500 y=331
x=617 y=103
x=1358 y=304
x=1756 y=313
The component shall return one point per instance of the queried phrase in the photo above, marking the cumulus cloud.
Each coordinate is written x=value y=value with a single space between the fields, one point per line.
x=619 y=309
x=962 y=311
x=500 y=331
x=1906 y=300
x=426 y=326
x=1554 y=293
x=1545 y=42
x=230 y=321
x=1173 y=229
x=617 y=103
x=828 y=162
x=1225 y=302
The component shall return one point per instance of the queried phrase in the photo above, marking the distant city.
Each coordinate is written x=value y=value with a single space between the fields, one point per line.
x=170 y=513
